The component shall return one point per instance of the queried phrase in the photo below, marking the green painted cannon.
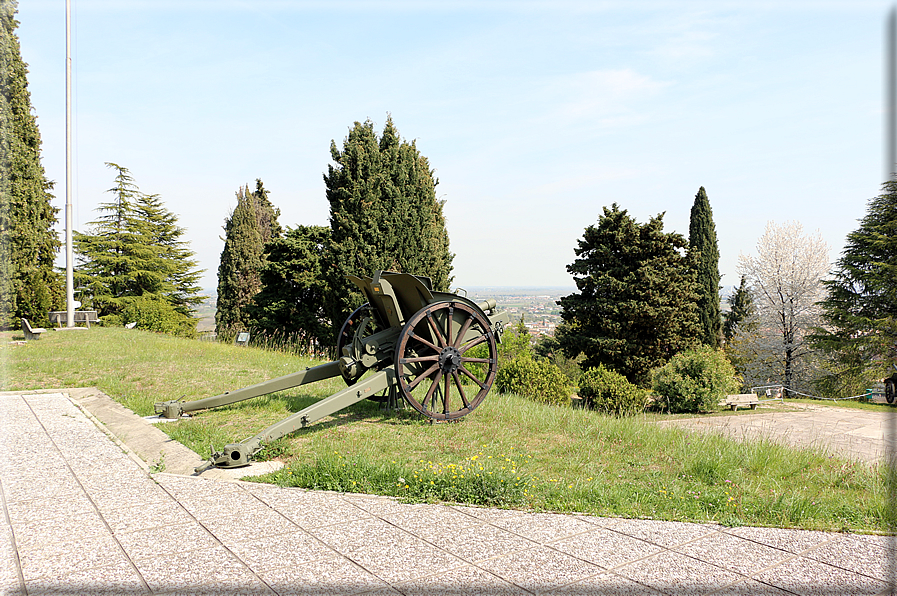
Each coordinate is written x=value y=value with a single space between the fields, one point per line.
x=416 y=344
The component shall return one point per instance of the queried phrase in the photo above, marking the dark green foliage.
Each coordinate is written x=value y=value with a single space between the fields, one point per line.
x=114 y=263
x=384 y=215
x=635 y=308
x=702 y=241
x=159 y=229
x=741 y=309
x=608 y=391
x=291 y=301
x=134 y=250
x=251 y=225
x=29 y=286
x=550 y=349
x=695 y=381
x=860 y=310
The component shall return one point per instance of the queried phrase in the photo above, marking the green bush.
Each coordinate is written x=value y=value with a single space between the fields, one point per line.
x=111 y=321
x=695 y=381
x=536 y=379
x=159 y=316
x=550 y=349
x=611 y=392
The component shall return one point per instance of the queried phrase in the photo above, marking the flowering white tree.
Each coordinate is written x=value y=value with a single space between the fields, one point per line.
x=785 y=280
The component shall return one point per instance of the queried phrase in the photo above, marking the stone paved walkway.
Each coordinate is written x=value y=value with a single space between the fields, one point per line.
x=82 y=515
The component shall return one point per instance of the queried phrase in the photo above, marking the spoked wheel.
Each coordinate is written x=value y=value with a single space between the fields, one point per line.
x=360 y=324
x=438 y=374
x=890 y=390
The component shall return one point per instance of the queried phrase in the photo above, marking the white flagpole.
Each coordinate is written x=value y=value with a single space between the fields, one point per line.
x=69 y=255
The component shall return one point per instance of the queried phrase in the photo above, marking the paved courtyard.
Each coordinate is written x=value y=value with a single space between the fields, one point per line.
x=82 y=514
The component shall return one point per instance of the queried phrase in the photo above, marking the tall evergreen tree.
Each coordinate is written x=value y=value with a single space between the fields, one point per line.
x=384 y=214
x=29 y=286
x=860 y=308
x=635 y=308
x=741 y=310
x=180 y=284
x=116 y=260
x=702 y=241
x=252 y=224
x=135 y=250
x=293 y=287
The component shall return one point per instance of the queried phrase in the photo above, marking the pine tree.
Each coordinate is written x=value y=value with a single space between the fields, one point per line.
x=180 y=281
x=860 y=309
x=702 y=241
x=251 y=225
x=635 y=308
x=384 y=215
x=291 y=301
x=29 y=286
x=116 y=262
x=134 y=255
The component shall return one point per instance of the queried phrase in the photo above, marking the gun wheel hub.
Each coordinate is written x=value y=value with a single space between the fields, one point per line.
x=449 y=360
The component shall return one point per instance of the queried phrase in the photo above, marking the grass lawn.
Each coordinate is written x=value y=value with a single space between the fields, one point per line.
x=510 y=452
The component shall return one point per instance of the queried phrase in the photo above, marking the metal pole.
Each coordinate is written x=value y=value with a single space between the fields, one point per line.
x=890 y=94
x=69 y=256
x=890 y=160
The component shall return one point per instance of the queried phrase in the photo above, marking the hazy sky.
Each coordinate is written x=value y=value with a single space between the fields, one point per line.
x=534 y=115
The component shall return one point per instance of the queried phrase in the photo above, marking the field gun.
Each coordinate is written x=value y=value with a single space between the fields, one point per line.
x=415 y=341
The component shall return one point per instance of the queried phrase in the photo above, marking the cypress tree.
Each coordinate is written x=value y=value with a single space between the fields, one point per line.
x=702 y=242
x=29 y=286
x=384 y=215
x=251 y=225
x=635 y=308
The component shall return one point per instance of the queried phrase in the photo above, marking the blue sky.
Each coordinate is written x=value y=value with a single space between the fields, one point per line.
x=534 y=115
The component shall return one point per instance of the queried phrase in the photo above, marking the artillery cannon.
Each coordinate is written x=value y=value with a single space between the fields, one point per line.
x=414 y=340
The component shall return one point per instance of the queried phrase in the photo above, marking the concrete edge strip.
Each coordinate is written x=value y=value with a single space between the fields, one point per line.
x=99 y=424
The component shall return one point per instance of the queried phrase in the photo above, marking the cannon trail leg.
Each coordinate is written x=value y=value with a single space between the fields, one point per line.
x=236 y=455
x=174 y=409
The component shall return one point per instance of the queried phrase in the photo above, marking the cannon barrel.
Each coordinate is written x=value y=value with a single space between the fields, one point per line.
x=486 y=305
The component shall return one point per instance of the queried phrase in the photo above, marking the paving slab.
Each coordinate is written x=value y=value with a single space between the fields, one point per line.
x=69 y=528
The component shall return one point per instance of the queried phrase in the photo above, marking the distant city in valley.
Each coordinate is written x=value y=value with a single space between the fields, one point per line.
x=538 y=306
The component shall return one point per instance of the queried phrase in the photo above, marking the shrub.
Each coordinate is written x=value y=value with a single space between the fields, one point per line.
x=159 y=316
x=536 y=379
x=611 y=392
x=695 y=380
x=550 y=349
x=111 y=321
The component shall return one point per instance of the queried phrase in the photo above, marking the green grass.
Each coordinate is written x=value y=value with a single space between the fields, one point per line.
x=510 y=452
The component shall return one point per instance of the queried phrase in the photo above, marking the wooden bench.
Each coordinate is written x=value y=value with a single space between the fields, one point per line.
x=31 y=332
x=60 y=317
x=741 y=400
